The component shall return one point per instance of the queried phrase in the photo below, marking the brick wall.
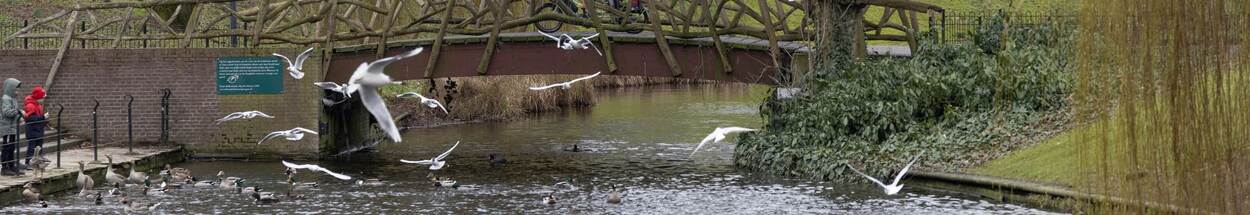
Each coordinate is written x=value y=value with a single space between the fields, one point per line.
x=107 y=75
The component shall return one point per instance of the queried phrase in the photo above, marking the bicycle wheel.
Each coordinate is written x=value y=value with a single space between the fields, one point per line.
x=547 y=26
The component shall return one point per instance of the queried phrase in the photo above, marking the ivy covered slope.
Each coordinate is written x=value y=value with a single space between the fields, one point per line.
x=960 y=103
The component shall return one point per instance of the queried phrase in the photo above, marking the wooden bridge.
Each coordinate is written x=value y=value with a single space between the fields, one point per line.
x=737 y=40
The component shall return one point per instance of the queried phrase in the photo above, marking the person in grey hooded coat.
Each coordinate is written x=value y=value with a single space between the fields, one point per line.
x=10 y=116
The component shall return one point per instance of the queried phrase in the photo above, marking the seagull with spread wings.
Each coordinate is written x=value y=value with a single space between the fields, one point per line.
x=565 y=85
x=294 y=134
x=893 y=187
x=435 y=163
x=315 y=168
x=566 y=42
x=717 y=135
x=296 y=68
x=243 y=115
x=425 y=101
x=371 y=76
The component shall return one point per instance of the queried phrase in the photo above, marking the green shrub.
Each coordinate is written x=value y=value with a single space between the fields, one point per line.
x=952 y=100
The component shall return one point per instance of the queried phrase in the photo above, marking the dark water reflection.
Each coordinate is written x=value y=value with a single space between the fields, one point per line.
x=636 y=139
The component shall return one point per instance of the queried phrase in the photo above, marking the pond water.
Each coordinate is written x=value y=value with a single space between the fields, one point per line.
x=637 y=140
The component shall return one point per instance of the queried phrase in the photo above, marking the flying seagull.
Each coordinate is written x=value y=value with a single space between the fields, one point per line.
x=371 y=76
x=315 y=168
x=294 y=134
x=565 y=85
x=341 y=89
x=425 y=101
x=243 y=115
x=435 y=163
x=566 y=42
x=333 y=87
x=295 y=67
x=717 y=135
x=894 y=187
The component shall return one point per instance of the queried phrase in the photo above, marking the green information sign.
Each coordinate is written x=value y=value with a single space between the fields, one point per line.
x=249 y=75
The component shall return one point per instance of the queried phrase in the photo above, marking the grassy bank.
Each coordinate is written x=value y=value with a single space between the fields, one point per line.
x=962 y=104
x=505 y=97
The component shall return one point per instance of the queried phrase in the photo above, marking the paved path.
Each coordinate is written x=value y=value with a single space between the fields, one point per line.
x=62 y=179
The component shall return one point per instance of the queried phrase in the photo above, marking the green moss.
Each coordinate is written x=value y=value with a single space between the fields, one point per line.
x=1052 y=161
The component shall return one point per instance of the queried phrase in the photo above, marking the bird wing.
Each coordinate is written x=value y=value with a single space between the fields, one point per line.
x=378 y=66
x=422 y=162
x=271 y=135
x=232 y=116
x=585 y=77
x=544 y=87
x=262 y=114
x=728 y=130
x=705 y=140
x=905 y=168
x=305 y=130
x=288 y=60
x=591 y=36
x=377 y=107
x=336 y=175
x=448 y=152
x=328 y=85
x=356 y=76
x=410 y=94
x=592 y=45
x=874 y=180
x=299 y=60
x=297 y=166
x=557 y=39
x=440 y=106
x=438 y=165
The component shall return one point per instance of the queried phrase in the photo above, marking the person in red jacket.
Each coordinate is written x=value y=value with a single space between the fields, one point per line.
x=36 y=122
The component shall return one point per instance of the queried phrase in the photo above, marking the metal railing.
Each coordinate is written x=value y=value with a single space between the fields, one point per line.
x=62 y=133
x=958 y=26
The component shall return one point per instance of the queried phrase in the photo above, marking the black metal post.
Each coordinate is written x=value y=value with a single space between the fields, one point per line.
x=17 y=142
x=95 y=132
x=25 y=41
x=144 y=30
x=165 y=116
x=82 y=26
x=130 y=124
x=60 y=130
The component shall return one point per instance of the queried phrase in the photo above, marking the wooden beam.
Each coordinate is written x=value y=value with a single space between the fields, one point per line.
x=912 y=29
x=60 y=54
x=484 y=64
x=716 y=41
x=769 y=27
x=604 y=40
x=327 y=47
x=139 y=4
x=192 y=23
x=36 y=24
x=662 y=42
x=373 y=19
x=438 y=40
x=125 y=26
x=259 y=26
x=390 y=23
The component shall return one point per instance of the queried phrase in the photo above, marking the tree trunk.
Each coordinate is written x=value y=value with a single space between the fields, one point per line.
x=839 y=25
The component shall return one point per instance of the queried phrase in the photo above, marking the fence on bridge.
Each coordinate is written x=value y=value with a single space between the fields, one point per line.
x=957 y=26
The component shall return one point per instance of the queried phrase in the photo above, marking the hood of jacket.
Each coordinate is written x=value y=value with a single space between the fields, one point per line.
x=37 y=93
x=10 y=87
x=32 y=101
